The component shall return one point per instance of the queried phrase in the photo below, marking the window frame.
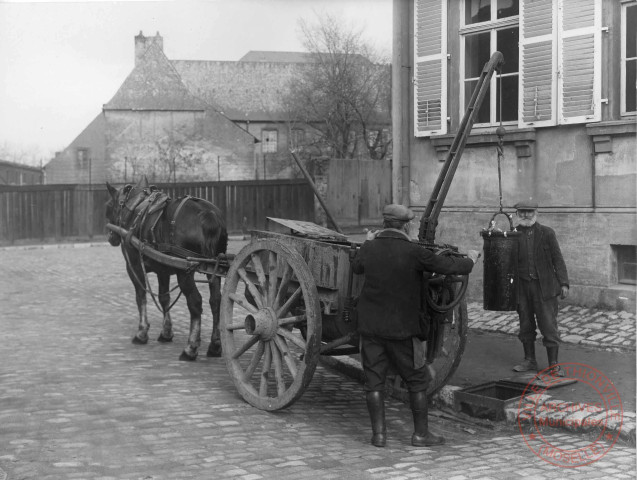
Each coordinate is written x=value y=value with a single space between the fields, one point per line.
x=491 y=26
x=623 y=87
x=82 y=155
x=624 y=255
x=267 y=131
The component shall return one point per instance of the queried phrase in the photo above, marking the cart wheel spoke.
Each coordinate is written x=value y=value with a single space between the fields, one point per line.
x=265 y=371
x=258 y=269
x=278 y=369
x=244 y=348
x=283 y=286
x=236 y=326
x=292 y=321
x=254 y=361
x=285 y=353
x=251 y=287
x=298 y=341
x=289 y=303
x=243 y=302
x=272 y=278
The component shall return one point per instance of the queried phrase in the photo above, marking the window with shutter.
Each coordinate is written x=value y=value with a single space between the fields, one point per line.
x=430 y=67
x=489 y=26
x=579 y=67
x=629 y=59
x=560 y=72
x=538 y=62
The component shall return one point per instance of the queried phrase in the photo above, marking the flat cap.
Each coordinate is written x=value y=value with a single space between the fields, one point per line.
x=526 y=205
x=394 y=211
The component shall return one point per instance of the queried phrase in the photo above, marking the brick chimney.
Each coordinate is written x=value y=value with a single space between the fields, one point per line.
x=142 y=43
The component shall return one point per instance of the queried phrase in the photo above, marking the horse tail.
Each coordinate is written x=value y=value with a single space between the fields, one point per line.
x=215 y=233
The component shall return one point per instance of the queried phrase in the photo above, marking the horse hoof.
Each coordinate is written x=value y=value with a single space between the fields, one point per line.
x=139 y=341
x=164 y=339
x=214 y=351
x=187 y=358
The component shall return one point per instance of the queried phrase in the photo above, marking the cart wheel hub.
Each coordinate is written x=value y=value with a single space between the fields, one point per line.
x=263 y=323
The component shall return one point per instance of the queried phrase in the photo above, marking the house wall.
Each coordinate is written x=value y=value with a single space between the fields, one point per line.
x=209 y=146
x=18 y=174
x=583 y=176
x=68 y=167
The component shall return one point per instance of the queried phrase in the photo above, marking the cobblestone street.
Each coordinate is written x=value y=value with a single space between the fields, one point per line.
x=79 y=401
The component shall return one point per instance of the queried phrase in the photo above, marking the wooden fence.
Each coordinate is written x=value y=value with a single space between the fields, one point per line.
x=357 y=190
x=57 y=212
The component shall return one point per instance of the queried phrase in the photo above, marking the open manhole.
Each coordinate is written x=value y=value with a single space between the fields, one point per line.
x=488 y=400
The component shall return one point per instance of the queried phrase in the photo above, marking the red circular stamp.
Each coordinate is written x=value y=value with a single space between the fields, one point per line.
x=602 y=418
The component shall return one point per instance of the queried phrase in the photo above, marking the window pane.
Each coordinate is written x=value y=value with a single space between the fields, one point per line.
x=508 y=8
x=631 y=28
x=269 y=139
x=626 y=264
x=508 y=45
x=477 y=53
x=477 y=11
x=509 y=99
x=631 y=85
x=484 y=112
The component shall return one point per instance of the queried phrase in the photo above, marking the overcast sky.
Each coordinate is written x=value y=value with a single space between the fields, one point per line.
x=61 y=61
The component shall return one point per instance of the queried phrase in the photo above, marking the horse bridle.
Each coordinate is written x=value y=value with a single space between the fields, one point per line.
x=121 y=220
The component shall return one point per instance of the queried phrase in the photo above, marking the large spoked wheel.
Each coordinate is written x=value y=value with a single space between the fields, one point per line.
x=270 y=324
x=455 y=328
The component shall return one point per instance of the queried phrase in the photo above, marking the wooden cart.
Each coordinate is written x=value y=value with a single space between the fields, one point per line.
x=287 y=300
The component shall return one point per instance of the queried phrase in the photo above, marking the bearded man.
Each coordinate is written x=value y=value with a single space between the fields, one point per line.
x=542 y=278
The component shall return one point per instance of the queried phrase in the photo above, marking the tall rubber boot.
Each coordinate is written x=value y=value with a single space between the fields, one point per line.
x=529 y=363
x=376 y=408
x=422 y=437
x=551 y=353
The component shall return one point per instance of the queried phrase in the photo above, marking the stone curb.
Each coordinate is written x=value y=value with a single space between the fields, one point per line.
x=558 y=414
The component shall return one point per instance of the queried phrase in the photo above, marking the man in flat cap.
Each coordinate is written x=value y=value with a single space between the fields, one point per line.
x=389 y=308
x=542 y=278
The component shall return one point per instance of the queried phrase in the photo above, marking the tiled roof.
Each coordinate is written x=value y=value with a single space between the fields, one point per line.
x=240 y=90
x=279 y=57
x=154 y=84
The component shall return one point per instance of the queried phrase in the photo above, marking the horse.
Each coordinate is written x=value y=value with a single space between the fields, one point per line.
x=189 y=226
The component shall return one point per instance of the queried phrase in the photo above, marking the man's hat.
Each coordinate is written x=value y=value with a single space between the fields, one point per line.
x=394 y=211
x=526 y=205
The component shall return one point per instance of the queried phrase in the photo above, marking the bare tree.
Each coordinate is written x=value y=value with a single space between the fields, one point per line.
x=344 y=94
x=30 y=155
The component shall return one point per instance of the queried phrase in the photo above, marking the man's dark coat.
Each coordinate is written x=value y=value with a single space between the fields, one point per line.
x=551 y=269
x=389 y=305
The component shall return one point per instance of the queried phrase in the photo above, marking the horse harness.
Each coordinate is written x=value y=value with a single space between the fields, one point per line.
x=148 y=208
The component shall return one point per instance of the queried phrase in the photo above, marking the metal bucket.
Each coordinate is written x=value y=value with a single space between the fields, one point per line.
x=500 y=274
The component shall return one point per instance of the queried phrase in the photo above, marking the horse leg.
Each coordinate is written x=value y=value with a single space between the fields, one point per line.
x=193 y=300
x=166 y=334
x=141 y=337
x=214 y=349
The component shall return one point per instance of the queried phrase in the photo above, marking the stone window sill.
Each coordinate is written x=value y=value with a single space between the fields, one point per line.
x=522 y=138
x=602 y=133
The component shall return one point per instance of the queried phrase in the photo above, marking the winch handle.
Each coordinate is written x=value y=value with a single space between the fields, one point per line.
x=492 y=221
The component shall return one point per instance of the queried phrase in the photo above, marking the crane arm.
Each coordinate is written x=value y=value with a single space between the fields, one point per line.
x=429 y=221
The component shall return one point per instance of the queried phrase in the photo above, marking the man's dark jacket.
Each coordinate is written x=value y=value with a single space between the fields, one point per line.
x=551 y=269
x=390 y=301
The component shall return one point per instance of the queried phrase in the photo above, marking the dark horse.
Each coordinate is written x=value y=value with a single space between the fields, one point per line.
x=188 y=226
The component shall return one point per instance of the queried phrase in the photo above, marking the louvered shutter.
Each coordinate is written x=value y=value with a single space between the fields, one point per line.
x=538 y=63
x=580 y=61
x=430 y=67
